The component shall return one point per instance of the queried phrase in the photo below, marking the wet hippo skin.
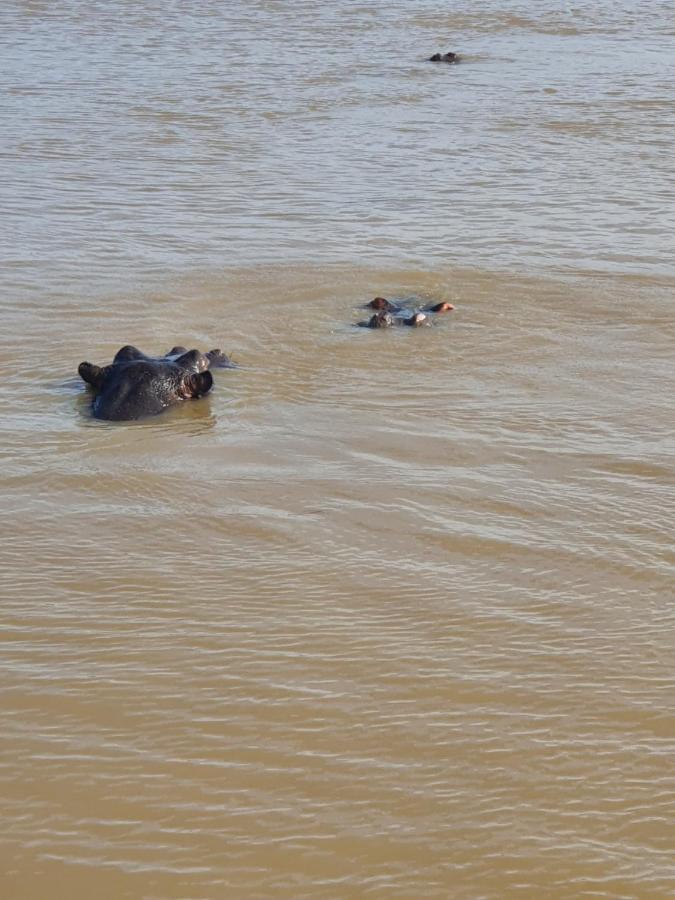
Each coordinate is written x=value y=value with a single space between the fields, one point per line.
x=445 y=57
x=135 y=385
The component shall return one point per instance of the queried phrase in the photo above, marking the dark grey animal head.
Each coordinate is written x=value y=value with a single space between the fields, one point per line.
x=383 y=305
x=380 y=320
x=415 y=320
x=445 y=57
x=136 y=385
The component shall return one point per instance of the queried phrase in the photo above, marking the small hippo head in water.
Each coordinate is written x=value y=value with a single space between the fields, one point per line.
x=136 y=385
x=380 y=320
x=386 y=320
x=414 y=321
x=444 y=57
x=383 y=305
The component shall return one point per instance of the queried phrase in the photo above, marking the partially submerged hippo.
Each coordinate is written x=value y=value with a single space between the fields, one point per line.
x=388 y=313
x=136 y=385
x=384 y=305
x=380 y=319
x=381 y=304
x=445 y=57
x=384 y=319
x=442 y=307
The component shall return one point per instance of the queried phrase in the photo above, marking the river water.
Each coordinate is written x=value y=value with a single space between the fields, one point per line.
x=388 y=614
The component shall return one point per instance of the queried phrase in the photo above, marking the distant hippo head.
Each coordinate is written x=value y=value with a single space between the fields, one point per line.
x=445 y=57
x=414 y=321
x=383 y=305
x=379 y=320
x=136 y=385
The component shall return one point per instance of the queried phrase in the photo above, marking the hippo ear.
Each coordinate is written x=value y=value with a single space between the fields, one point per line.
x=92 y=374
x=199 y=383
x=127 y=353
x=219 y=360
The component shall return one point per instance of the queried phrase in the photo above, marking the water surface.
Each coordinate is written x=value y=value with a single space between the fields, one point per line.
x=387 y=614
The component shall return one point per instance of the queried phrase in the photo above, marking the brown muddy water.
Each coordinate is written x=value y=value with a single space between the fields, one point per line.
x=387 y=614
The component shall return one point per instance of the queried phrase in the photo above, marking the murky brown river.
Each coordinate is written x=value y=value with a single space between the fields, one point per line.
x=389 y=613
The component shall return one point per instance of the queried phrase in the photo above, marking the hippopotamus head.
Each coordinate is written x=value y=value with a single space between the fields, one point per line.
x=445 y=57
x=414 y=321
x=381 y=319
x=382 y=304
x=136 y=385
